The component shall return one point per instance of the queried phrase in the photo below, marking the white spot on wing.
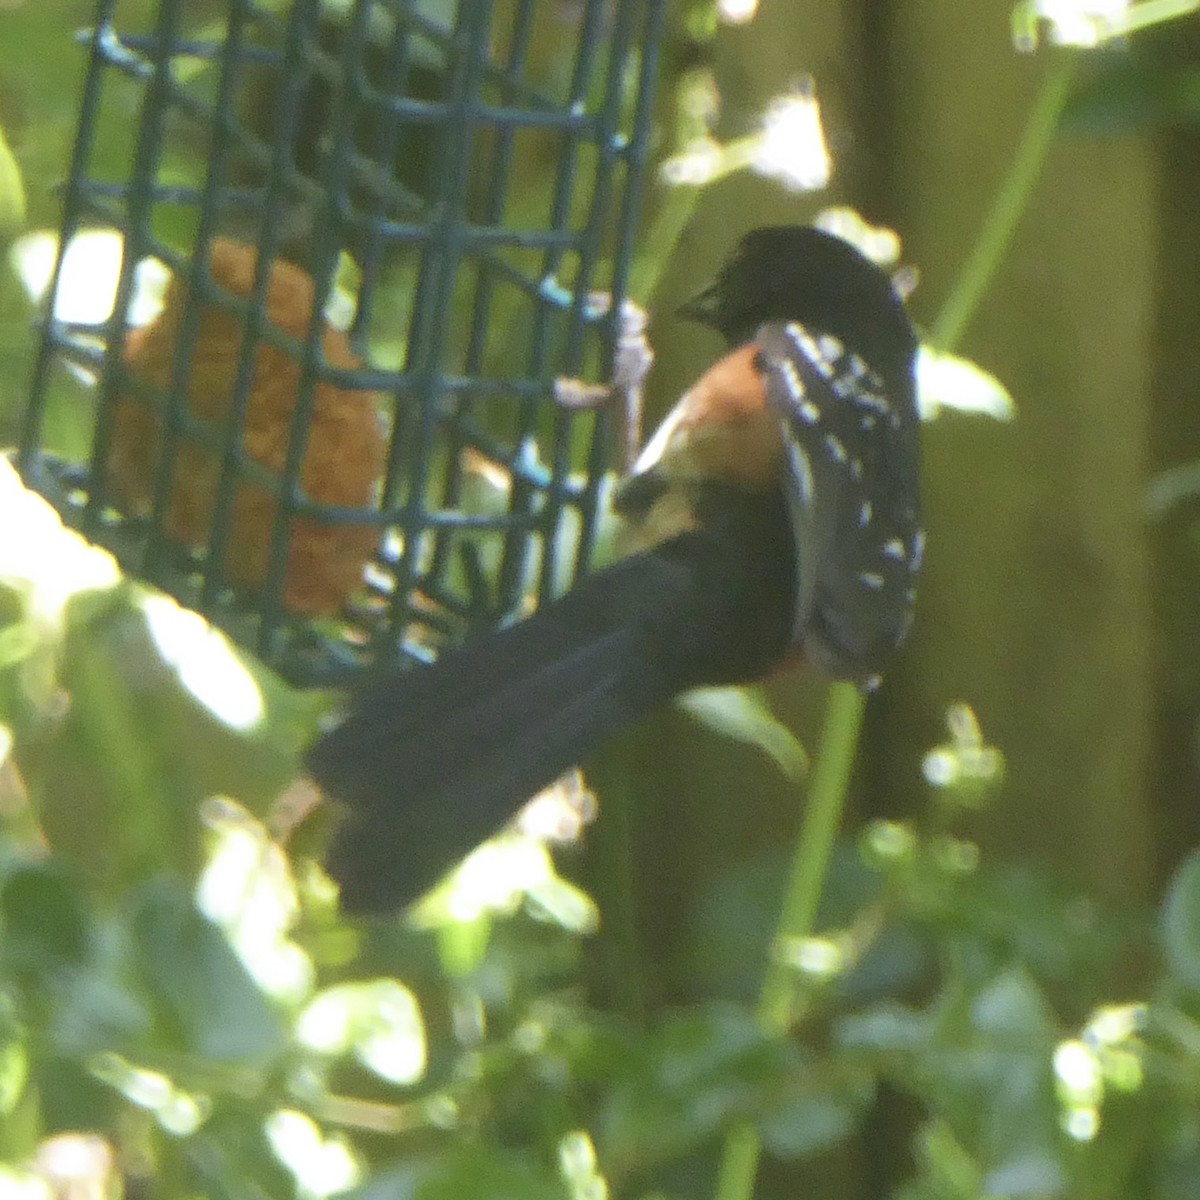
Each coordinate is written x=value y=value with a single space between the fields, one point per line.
x=871 y=579
x=865 y=513
x=873 y=400
x=835 y=447
x=800 y=339
x=893 y=548
x=791 y=377
x=801 y=469
x=810 y=349
x=831 y=348
x=918 y=550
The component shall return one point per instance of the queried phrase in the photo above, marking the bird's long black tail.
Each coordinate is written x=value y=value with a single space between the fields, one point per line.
x=431 y=761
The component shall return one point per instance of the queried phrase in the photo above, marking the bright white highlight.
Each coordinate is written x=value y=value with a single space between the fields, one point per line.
x=792 y=148
x=91 y=270
x=205 y=663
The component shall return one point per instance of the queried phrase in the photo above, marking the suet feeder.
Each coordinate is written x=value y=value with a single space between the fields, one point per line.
x=384 y=225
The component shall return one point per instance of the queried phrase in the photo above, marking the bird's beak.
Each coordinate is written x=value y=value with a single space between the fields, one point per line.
x=703 y=308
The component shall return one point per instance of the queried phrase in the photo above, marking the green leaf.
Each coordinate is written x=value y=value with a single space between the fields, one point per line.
x=1127 y=93
x=1179 y=922
x=94 y=1009
x=1012 y=1004
x=467 y=1170
x=202 y=988
x=45 y=920
x=14 y=1058
x=948 y=381
x=12 y=191
x=743 y=715
x=696 y=1074
x=887 y=1028
x=823 y=1112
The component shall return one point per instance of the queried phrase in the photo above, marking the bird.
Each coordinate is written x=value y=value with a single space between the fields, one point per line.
x=344 y=451
x=772 y=518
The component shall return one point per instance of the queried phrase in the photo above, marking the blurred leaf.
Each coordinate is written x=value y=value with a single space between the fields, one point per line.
x=1179 y=922
x=494 y=1173
x=1013 y=1004
x=698 y=1072
x=1126 y=93
x=1172 y=487
x=743 y=715
x=96 y=1008
x=199 y=982
x=12 y=191
x=465 y=1170
x=948 y=1169
x=73 y=973
x=886 y=1028
x=46 y=924
x=230 y=1159
x=379 y=1019
x=824 y=1111
x=14 y=1059
x=1036 y=1173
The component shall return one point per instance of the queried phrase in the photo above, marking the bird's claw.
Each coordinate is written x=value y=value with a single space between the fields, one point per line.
x=632 y=359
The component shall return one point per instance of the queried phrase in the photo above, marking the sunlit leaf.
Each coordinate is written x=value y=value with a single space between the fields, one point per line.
x=946 y=381
x=879 y=243
x=378 y=1020
x=88 y=276
x=14 y=1057
x=205 y=661
x=320 y=1165
x=36 y=550
x=77 y=1164
x=1089 y=23
x=247 y=889
x=743 y=715
x=12 y=190
x=176 y=1110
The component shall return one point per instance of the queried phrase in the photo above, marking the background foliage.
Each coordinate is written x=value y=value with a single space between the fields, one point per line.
x=999 y=992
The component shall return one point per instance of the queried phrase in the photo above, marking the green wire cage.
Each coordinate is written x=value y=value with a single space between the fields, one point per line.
x=438 y=189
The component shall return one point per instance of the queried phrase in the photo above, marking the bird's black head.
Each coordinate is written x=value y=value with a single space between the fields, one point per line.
x=798 y=273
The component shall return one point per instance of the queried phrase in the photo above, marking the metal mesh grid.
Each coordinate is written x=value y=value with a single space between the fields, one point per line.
x=473 y=166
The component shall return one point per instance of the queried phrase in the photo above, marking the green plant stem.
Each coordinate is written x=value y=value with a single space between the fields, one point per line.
x=818 y=831
x=1010 y=203
x=661 y=238
x=843 y=717
x=1154 y=12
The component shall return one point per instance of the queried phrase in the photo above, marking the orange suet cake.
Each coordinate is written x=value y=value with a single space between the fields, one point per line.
x=343 y=457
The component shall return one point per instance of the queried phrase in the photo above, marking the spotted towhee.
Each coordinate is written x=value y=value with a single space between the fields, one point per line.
x=773 y=516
